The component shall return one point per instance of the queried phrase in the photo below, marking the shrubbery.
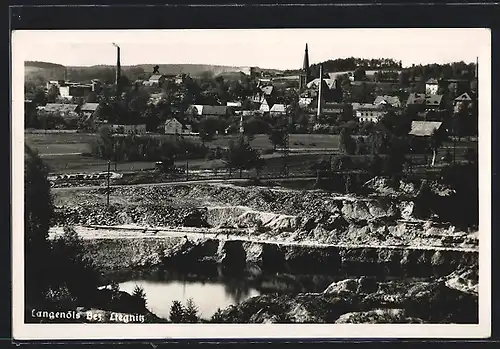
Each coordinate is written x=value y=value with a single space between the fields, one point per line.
x=145 y=148
x=57 y=274
x=184 y=314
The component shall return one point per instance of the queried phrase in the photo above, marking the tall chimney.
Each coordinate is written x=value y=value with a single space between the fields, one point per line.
x=320 y=91
x=118 y=69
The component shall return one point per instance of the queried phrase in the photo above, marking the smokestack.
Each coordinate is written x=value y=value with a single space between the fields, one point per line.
x=118 y=69
x=320 y=90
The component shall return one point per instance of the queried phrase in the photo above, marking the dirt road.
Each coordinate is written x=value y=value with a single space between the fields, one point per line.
x=135 y=232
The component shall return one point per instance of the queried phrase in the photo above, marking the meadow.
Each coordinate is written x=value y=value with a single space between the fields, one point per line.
x=65 y=152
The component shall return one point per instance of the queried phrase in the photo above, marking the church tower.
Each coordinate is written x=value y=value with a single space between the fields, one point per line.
x=304 y=74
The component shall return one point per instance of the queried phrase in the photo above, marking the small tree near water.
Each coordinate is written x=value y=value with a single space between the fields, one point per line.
x=177 y=312
x=191 y=312
x=139 y=295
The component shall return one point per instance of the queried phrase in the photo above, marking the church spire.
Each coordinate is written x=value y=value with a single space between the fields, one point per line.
x=304 y=74
x=305 y=66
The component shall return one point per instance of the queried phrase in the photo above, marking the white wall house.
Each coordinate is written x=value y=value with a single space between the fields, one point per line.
x=431 y=87
x=370 y=113
x=174 y=126
x=128 y=129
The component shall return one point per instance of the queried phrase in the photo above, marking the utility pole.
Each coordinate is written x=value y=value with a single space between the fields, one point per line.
x=187 y=166
x=107 y=191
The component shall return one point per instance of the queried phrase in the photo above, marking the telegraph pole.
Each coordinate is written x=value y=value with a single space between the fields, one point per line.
x=187 y=166
x=107 y=191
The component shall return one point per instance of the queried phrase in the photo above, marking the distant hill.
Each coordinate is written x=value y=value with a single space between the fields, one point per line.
x=44 y=70
x=50 y=71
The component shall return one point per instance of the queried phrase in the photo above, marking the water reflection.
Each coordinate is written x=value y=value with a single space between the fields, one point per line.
x=211 y=288
x=207 y=295
x=215 y=287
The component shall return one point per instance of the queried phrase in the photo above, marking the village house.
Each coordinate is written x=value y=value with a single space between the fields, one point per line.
x=264 y=107
x=304 y=102
x=431 y=87
x=277 y=110
x=424 y=128
x=208 y=110
x=428 y=102
x=392 y=101
x=128 y=129
x=60 y=109
x=89 y=113
x=234 y=105
x=370 y=112
x=331 y=112
x=71 y=91
x=89 y=109
x=155 y=80
x=174 y=126
x=462 y=101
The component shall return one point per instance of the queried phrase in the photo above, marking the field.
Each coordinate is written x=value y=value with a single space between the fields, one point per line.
x=63 y=151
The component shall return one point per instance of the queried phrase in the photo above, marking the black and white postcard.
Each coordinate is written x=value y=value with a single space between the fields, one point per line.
x=284 y=183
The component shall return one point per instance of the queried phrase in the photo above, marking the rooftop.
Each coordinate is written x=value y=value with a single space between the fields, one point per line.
x=424 y=128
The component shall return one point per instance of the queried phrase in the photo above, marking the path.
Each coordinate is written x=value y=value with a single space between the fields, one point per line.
x=134 y=232
x=198 y=181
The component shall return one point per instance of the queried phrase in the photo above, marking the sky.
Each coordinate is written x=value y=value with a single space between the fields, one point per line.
x=265 y=48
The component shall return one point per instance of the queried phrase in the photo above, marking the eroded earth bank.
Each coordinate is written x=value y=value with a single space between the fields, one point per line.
x=387 y=232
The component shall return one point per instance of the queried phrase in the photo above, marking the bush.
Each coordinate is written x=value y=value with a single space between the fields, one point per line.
x=184 y=314
x=72 y=268
x=218 y=317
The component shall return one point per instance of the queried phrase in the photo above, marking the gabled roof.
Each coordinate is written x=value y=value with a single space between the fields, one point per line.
x=59 y=107
x=421 y=98
x=330 y=83
x=90 y=107
x=334 y=105
x=168 y=121
x=233 y=104
x=373 y=107
x=432 y=81
x=464 y=97
x=416 y=98
x=210 y=109
x=392 y=100
x=433 y=100
x=267 y=90
x=155 y=77
x=278 y=108
x=424 y=128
